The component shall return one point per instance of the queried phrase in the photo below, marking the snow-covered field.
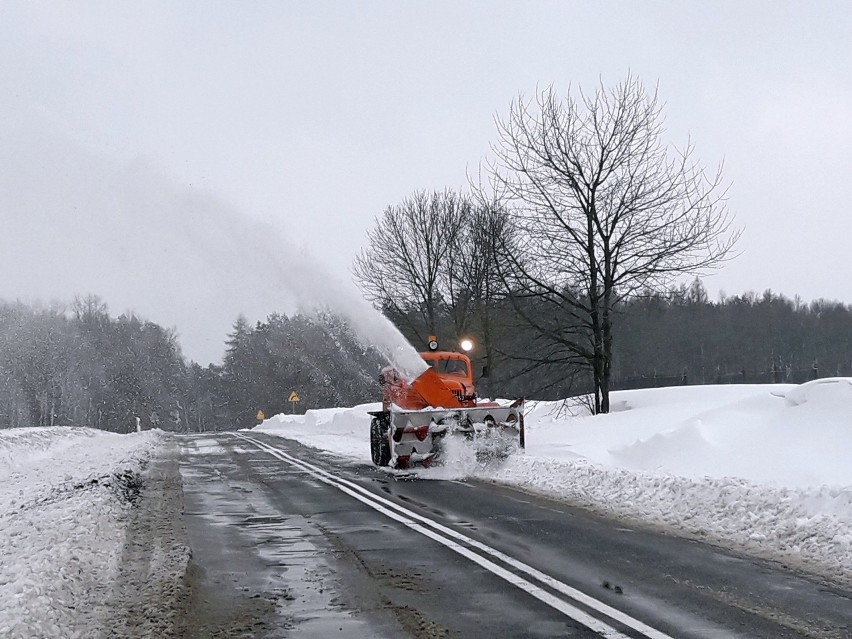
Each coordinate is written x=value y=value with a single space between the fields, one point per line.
x=765 y=469
x=64 y=498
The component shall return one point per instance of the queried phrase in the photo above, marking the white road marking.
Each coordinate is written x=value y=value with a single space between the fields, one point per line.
x=446 y=536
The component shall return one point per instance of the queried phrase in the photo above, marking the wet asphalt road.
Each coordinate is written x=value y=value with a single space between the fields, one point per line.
x=321 y=548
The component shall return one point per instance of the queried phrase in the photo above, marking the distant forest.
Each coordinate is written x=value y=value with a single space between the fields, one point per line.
x=78 y=366
x=665 y=339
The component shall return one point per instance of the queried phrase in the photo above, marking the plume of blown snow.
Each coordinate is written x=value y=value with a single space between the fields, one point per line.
x=134 y=236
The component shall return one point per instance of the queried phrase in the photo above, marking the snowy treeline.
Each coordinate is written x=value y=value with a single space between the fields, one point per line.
x=81 y=367
x=750 y=338
x=662 y=339
x=317 y=357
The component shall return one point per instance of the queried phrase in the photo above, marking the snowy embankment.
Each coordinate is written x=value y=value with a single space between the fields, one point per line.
x=758 y=468
x=64 y=498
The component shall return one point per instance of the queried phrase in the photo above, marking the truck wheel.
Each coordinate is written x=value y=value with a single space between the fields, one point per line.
x=379 y=445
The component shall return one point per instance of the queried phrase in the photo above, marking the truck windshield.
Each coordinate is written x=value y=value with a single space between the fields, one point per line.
x=449 y=366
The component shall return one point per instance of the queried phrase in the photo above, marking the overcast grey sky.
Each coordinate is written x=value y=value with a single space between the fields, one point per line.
x=136 y=136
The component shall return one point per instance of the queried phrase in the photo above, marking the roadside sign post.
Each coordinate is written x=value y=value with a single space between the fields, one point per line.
x=294 y=397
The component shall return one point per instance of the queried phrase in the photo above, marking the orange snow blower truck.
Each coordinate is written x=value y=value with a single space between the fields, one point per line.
x=417 y=416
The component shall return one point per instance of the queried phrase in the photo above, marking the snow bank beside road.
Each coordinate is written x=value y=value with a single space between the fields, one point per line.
x=64 y=495
x=760 y=468
x=342 y=431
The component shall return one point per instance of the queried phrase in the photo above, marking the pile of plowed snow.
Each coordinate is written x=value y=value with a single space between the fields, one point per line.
x=64 y=497
x=763 y=468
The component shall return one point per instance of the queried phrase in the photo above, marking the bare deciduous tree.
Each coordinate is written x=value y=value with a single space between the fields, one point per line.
x=602 y=210
x=485 y=230
x=412 y=261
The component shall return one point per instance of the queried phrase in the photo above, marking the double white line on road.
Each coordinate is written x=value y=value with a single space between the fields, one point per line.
x=464 y=545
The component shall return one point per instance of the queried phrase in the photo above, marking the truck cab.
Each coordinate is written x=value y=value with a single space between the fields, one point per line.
x=454 y=371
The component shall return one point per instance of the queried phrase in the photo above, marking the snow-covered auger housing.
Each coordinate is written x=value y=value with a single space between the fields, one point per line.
x=418 y=415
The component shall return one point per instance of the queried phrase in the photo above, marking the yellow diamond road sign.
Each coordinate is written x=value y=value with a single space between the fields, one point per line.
x=261 y=415
x=294 y=397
